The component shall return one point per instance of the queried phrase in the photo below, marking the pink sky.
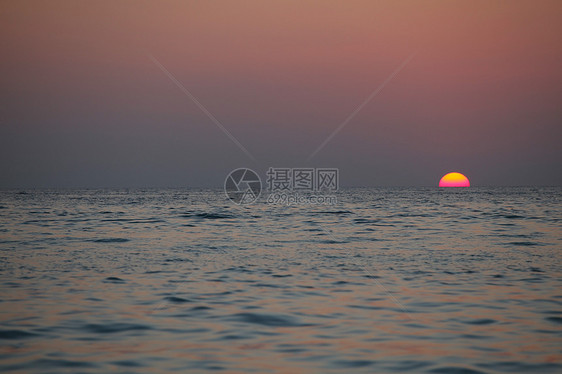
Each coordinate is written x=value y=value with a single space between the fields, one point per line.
x=481 y=96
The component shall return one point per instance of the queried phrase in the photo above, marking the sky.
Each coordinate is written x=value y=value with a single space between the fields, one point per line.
x=86 y=100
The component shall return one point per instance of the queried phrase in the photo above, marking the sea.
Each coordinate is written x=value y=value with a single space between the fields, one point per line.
x=385 y=280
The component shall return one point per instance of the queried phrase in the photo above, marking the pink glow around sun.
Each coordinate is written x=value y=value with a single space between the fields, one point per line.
x=454 y=180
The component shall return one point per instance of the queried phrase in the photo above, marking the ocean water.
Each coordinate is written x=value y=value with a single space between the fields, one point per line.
x=388 y=280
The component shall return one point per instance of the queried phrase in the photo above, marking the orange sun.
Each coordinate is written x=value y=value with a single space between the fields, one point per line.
x=454 y=180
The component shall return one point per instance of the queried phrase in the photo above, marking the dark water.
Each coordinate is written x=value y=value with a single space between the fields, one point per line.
x=389 y=280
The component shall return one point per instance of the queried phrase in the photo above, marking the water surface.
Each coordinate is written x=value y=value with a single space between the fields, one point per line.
x=389 y=280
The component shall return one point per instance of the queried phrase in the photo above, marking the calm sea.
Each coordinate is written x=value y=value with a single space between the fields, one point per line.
x=388 y=280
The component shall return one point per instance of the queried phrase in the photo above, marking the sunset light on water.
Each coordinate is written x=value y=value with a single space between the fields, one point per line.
x=280 y=186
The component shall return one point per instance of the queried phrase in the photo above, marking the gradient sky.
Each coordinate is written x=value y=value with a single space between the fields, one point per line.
x=83 y=105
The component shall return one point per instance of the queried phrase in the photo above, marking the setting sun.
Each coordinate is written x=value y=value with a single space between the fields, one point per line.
x=454 y=180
